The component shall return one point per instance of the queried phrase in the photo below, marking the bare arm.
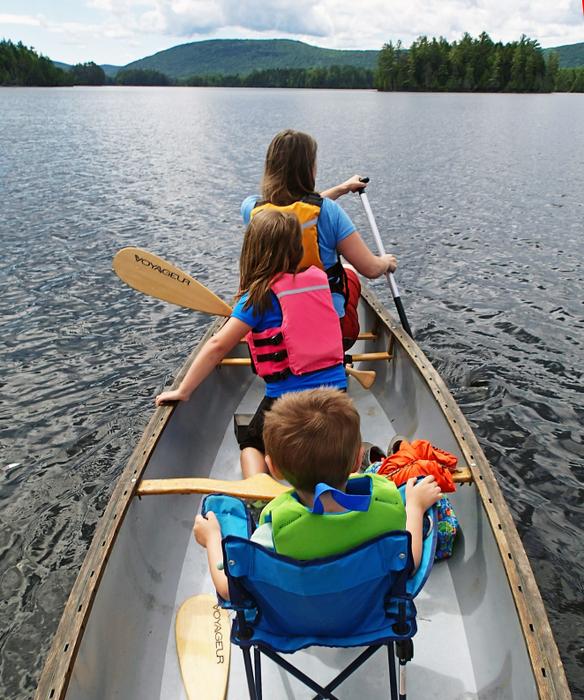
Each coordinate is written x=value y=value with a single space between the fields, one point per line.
x=207 y=532
x=419 y=497
x=351 y=185
x=210 y=356
x=355 y=251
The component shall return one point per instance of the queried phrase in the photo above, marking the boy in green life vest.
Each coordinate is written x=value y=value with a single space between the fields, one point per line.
x=313 y=441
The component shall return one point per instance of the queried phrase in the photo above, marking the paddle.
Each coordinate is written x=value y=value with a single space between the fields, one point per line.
x=260 y=487
x=389 y=276
x=204 y=647
x=158 y=278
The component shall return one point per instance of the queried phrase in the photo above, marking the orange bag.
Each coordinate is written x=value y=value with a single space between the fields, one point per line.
x=420 y=458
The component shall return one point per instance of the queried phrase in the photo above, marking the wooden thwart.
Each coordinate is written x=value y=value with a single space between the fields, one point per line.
x=358 y=357
x=260 y=487
x=204 y=647
x=365 y=335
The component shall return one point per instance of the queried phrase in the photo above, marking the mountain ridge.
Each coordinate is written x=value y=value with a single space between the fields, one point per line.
x=242 y=56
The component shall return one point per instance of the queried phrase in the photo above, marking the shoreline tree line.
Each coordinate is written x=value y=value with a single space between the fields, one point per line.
x=468 y=65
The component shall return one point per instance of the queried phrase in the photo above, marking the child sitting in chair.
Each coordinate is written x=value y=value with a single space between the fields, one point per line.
x=313 y=441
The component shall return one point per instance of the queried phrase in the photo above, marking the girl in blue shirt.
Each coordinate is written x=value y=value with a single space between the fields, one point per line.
x=289 y=176
x=272 y=245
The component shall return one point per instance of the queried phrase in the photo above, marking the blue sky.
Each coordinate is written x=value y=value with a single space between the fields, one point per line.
x=119 y=31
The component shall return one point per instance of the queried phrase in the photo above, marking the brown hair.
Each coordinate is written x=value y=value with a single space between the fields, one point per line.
x=289 y=167
x=272 y=245
x=313 y=436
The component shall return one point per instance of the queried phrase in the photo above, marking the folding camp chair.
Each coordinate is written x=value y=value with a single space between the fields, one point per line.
x=362 y=598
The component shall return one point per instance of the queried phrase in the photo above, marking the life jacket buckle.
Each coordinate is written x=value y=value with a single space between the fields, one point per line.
x=276 y=339
x=277 y=356
x=277 y=376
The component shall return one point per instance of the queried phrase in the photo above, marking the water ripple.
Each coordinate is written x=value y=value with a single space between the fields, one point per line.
x=478 y=194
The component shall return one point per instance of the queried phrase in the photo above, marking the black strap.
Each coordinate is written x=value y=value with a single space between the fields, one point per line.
x=276 y=339
x=337 y=279
x=277 y=376
x=277 y=356
x=313 y=198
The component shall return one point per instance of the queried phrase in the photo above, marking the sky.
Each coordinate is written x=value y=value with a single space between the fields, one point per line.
x=120 y=31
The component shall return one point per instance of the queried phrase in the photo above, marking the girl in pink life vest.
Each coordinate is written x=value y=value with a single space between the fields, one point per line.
x=288 y=319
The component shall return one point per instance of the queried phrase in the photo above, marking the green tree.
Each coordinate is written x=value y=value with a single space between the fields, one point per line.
x=552 y=68
x=387 y=68
x=88 y=74
x=136 y=76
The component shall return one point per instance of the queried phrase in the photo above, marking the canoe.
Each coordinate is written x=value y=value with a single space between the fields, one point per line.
x=482 y=627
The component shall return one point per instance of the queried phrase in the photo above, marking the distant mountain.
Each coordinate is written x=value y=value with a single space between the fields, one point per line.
x=107 y=69
x=242 y=56
x=232 y=56
x=110 y=70
x=571 y=55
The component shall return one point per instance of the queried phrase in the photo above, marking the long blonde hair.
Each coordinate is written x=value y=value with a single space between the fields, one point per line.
x=290 y=167
x=272 y=246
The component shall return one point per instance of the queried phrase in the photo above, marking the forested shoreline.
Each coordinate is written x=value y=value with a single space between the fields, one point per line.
x=468 y=65
x=474 y=65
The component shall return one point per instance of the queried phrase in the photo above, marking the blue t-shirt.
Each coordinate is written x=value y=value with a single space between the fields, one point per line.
x=333 y=226
x=331 y=376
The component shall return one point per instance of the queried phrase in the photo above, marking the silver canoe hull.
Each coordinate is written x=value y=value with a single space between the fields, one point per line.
x=482 y=633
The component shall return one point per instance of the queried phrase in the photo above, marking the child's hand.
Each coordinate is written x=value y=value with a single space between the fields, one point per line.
x=169 y=397
x=207 y=530
x=423 y=494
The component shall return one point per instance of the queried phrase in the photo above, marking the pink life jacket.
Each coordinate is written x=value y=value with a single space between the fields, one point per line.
x=309 y=338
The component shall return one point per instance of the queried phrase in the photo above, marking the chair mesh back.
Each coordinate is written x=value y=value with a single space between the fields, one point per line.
x=351 y=599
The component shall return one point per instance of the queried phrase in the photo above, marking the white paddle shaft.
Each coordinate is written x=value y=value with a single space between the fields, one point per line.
x=380 y=248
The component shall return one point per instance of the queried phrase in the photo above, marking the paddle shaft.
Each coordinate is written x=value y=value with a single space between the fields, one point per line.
x=260 y=487
x=389 y=276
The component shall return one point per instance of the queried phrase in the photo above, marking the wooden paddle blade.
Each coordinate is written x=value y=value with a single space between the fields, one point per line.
x=204 y=649
x=158 y=278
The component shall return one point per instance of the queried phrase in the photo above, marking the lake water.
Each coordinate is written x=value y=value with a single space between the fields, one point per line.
x=481 y=197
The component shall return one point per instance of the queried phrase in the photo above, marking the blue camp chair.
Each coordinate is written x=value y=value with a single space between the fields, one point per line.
x=283 y=605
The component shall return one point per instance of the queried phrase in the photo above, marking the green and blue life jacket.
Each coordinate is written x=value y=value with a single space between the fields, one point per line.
x=374 y=507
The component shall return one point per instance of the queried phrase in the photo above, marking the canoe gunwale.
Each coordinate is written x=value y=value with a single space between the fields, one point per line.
x=61 y=657
x=546 y=663
x=542 y=649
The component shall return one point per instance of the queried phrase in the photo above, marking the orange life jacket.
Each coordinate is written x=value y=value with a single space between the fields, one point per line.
x=307 y=211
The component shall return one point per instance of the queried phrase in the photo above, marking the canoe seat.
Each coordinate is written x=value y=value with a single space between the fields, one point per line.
x=241 y=422
x=364 y=597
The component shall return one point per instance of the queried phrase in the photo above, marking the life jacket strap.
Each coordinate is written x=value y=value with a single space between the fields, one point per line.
x=350 y=501
x=277 y=376
x=337 y=279
x=312 y=198
x=276 y=339
x=276 y=356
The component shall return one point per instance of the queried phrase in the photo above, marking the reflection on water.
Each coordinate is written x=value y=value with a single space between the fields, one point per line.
x=481 y=196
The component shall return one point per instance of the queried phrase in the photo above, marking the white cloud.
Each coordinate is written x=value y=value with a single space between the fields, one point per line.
x=350 y=24
x=23 y=20
x=150 y=25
